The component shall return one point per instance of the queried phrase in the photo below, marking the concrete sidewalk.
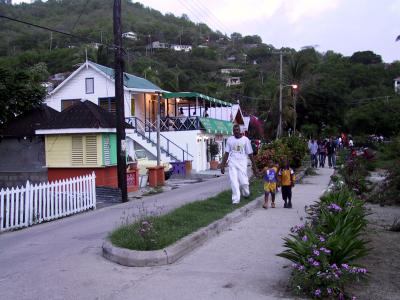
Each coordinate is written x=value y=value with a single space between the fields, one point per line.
x=62 y=259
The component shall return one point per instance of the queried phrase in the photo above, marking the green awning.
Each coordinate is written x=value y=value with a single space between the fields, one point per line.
x=195 y=95
x=216 y=126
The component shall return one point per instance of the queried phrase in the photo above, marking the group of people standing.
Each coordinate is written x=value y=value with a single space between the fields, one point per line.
x=320 y=150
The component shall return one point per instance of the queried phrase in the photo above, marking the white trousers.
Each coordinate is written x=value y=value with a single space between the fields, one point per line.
x=239 y=180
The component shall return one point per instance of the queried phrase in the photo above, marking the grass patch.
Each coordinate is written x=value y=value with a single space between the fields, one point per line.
x=153 y=233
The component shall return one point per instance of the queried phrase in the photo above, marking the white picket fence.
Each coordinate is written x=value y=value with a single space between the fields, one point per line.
x=32 y=204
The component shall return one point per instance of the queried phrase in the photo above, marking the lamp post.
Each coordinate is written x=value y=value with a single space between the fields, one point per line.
x=294 y=89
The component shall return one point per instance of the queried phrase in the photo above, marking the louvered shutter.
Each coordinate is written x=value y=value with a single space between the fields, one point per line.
x=106 y=151
x=91 y=150
x=77 y=150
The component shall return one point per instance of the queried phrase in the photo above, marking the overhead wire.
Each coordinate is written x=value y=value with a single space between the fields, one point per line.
x=210 y=15
x=88 y=39
x=80 y=15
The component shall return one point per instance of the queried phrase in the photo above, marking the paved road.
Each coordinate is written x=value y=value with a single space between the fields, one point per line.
x=62 y=259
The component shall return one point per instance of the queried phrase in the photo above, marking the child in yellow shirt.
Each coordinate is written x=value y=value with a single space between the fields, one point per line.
x=287 y=180
x=270 y=176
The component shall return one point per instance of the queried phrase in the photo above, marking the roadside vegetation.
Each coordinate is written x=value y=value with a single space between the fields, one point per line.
x=325 y=249
x=158 y=232
x=384 y=160
x=293 y=148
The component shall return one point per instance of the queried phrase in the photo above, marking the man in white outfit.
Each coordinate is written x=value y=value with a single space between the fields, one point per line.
x=238 y=148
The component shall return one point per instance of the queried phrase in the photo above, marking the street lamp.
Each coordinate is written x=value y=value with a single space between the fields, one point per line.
x=294 y=91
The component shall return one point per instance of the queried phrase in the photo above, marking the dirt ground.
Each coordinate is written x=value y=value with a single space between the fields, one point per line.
x=383 y=262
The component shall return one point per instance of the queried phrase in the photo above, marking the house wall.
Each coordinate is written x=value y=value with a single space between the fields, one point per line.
x=59 y=151
x=75 y=88
x=20 y=155
x=22 y=160
x=14 y=179
x=112 y=148
x=195 y=142
x=106 y=176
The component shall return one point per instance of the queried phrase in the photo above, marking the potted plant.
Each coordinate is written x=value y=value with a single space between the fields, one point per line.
x=214 y=150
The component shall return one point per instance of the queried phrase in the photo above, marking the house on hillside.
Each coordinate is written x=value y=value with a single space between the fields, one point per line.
x=130 y=35
x=82 y=140
x=184 y=48
x=397 y=85
x=189 y=120
x=233 y=81
x=158 y=45
x=231 y=71
x=22 y=152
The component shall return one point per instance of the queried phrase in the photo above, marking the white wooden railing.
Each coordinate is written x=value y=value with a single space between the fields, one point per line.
x=32 y=204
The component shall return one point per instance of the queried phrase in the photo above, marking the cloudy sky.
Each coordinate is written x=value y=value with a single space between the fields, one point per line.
x=344 y=26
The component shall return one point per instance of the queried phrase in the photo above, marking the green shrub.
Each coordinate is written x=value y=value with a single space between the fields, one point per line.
x=291 y=148
x=323 y=250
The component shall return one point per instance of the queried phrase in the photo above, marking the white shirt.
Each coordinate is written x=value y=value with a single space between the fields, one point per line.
x=238 y=149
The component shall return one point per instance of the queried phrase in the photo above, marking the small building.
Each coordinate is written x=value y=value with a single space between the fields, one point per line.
x=82 y=140
x=233 y=81
x=231 y=71
x=189 y=120
x=158 y=45
x=397 y=85
x=22 y=152
x=184 y=48
x=130 y=35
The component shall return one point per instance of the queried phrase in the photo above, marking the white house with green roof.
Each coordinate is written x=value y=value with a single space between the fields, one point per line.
x=189 y=121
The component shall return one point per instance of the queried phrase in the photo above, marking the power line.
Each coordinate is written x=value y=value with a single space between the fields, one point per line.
x=208 y=13
x=80 y=14
x=57 y=31
x=199 y=19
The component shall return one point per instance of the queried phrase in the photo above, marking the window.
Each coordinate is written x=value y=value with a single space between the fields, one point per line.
x=89 y=83
x=108 y=104
x=77 y=150
x=84 y=150
x=69 y=102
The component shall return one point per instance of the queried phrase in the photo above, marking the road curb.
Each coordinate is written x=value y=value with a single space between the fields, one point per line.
x=170 y=254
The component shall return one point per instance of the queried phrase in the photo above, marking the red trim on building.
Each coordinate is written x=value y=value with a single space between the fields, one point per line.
x=104 y=176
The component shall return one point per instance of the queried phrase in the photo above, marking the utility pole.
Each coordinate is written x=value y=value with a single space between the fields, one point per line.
x=119 y=101
x=294 y=108
x=279 y=131
x=51 y=40
x=158 y=128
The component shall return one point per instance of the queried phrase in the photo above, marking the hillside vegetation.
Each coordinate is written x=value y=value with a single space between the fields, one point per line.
x=335 y=92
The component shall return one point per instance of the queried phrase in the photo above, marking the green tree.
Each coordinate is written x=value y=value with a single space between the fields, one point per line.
x=19 y=92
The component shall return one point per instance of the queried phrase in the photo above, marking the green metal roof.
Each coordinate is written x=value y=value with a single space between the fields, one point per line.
x=130 y=81
x=194 y=95
x=216 y=126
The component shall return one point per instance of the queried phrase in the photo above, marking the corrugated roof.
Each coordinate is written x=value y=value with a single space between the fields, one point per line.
x=84 y=114
x=130 y=81
x=26 y=123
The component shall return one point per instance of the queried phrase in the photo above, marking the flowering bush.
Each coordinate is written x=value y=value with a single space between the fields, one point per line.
x=147 y=233
x=323 y=250
x=291 y=148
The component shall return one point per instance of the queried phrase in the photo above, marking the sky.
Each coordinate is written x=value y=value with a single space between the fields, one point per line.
x=344 y=26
